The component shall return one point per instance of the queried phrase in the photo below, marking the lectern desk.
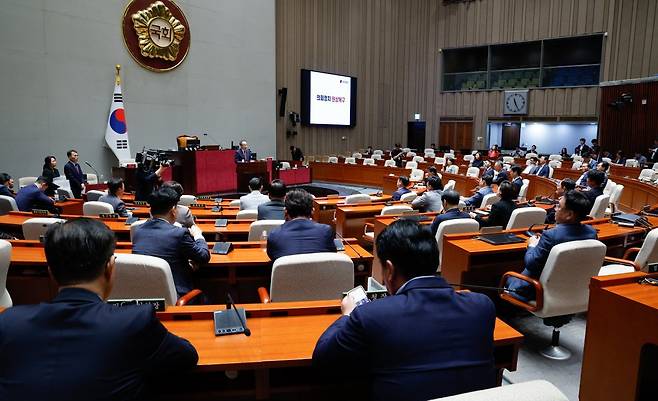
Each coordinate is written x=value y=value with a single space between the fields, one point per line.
x=247 y=171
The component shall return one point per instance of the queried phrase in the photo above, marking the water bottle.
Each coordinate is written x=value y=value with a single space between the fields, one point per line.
x=263 y=241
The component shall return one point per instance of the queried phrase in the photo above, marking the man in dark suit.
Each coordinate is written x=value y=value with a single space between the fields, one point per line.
x=543 y=170
x=484 y=189
x=33 y=197
x=243 y=155
x=296 y=154
x=74 y=174
x=115 y=188
x=275 y=208
x=572 y=209
x=403 y=183
x=653 y=155
x=299 y=234
x=421 y=342
x=451 y=210
x=177 y=245
x=498 y=174
x=6 y=185
x=582 y=148
x=77 y=347
x=595 y=179
x=517 y=180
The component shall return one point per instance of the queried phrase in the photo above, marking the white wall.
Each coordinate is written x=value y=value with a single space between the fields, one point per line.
x=550 y=138
x=57 y=77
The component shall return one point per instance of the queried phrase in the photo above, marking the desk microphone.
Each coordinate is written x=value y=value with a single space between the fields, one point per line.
x=482 y=287
x=211 y=137
x=230 y=304
x=348 y=244
x=95 y=171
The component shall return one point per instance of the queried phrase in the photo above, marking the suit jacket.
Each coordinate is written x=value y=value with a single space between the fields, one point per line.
x=146 y=181
x=31 y=197
x=77 y=347
x=297 y=155
x=500 y=214
x=424 y=342
x=252 y=200
x=518 y=183
x=477 y=163
x=4 y=190
x=242 y=156
x=429 y=201
x=50 y=175
x=117 y=204
x=502 y=176
x=74 y=174
x=476 y=199
x=582 y=149
x=299 y=236
x=451 y=214
x=543 y=171
x=592 y=194
x=174 y=244
x=272 y=210
x=535 y=257
x=398 y=194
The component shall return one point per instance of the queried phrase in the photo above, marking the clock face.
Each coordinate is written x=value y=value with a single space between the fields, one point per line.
x=515 y=103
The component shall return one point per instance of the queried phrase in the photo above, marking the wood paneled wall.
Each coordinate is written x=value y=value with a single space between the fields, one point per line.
x=393 y=48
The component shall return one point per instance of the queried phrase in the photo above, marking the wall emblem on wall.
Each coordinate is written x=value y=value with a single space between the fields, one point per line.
x=156 y=34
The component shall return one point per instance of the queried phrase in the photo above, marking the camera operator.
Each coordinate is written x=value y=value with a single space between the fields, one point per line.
x=148 y=175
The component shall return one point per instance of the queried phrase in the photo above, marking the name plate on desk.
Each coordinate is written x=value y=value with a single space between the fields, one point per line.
x=157 y=303
x=40 y=212
x=216 y=209
x=140 y=203
x=108 y=215
x=198 y=206
x=221 y=222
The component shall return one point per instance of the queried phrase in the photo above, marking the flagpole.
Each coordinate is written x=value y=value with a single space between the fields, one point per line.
x=117 y=79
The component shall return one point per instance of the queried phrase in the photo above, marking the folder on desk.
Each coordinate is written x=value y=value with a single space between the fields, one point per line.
x=222 y=248
x=221 y=222
x=500 y=238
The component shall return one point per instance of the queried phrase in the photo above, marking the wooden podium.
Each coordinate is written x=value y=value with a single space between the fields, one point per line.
x=205 y=171
x=247 y=171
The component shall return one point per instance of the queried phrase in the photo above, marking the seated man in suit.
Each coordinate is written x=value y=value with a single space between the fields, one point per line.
x=177 y=245
x=430 y=200
x=595 y=180
x=572 y=209
x=7 y=185
x=33 y=197
x=115 y=188
x=451 y=210
x=299 y=234
x=402 y=184
x=406 y=351
x=501 y=211
x=255 y=198
x=543 y=170
x=77 y=347
x=484 y=189
x=183 y=214
x=497 y=173
x=275 y=208
x=243 y=155
x=74 y=174
x=517 y=180
x=589 y=161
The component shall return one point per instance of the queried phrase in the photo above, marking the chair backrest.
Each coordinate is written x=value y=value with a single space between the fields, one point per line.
x=350 y=160
x=616 y=195
x=141 y=276
x=357 y=198
x=646 y=174
x=37 y=226
x=555 y=164
x=7 y=204
x=257 y=227
x=92 y=178
x=525 y=217
x=576 y=165
x=649 y=252
x=94 y=195
x=311 y=276
x=655 y=167
x=134 y=226
x=523 y=191
x=5 y=261
x=408 y=197
x=449 y=155
x=530 y=155
x=333 y=159
x=606 y=159
x=429 y=154
x=609 y=187
x=389 y=163
x=411 y=165
x=285 y=166
x=440 y=160
x=600 y=204
x=577 y=158
x=416 y=175
x=428 y=150
x=25 y=181
x=95 y=208
x=395 y=209
x=551 y=170
x=536 y=390
x=469 y=158
x=449 y=185
x=187 y=200
x=249 y=214
x=566 y=276
x=555 y=157
x=632 y=163
x=455 y=226
x=377 y=152
x=234 y=202
x=506 y=159
x=473 y=172
x=454 y=169
x=489 y=199
x=411 y=154
x=368 y=162
x=418 y=159
x=357 y=155
x=376 y=156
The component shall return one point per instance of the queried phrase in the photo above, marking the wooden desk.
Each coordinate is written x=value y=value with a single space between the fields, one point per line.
x=464 y=185
x=371 y=176
x=277 y=356
x=227 y=212
x=622 y=319
x=324 y=208
x=71 y=206
x=241 y=271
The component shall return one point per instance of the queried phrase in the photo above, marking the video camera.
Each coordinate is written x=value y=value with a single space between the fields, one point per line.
x=153 y=158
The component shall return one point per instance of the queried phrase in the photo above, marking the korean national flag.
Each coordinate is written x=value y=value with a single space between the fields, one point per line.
x=116 y=134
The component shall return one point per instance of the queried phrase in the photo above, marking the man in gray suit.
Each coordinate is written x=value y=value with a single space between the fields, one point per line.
x=275 y=208
x=255 y=198
x=115 y=188
x=430 y=200
x=183 y=215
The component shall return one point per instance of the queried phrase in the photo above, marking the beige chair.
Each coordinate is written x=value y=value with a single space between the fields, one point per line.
x=609 y=187
x=350 y=160
x=357 y=198
x=508 y=160
x=647 y=174
x=234 y=202
x=309 y=277
x=454 y=169
x=369 y=162
x=555 y=164
x=440 y=160
x=411 y=154
x=531 y=155
x=333 y=159
x=646 y=255
x=429 y=155
x=408 y=197
x=524 y=190
x=406 y=150
x=357 y=155
x=449 y=185
x=94 y=195
x=419 y=159
x=600 y=204
x=5 y=261
x=614 y=199
x=577 y=158
x=469 y=158
x=389 y=163
x=377 y=152
x=134 y=226
x=489 y=200
x=376 y=156
x=555 y=157
x=449 y=155
x=247 y=215
x=411 y=165
x=7 y=204
x=525 y=217
x=473 y=172
x=387 y=210
x=536 y=390
x=37 y=226
x=563 y=287
x=416 y=175
x=455 y=226
x=187 y=200
x=576 y=165
x=25 y=181
x=632 y=163
x=143 y=277
x=96 y=208
x=285 y=166
x=257 y=228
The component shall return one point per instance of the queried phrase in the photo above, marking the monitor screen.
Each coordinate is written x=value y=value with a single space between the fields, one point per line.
x=328 y=99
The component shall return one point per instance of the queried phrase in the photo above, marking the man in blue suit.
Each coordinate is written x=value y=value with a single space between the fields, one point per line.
x=543 y=170
x=74 y=174
x=77 y=347
x=177 y=245
x=517 y=180
x=572 y=209
x=497 y=173
x=299 y=234
x=451 y=210
x=421 y=342
x=483 y=190
x=33 y=197
x=243 y=155
x=402 y=184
